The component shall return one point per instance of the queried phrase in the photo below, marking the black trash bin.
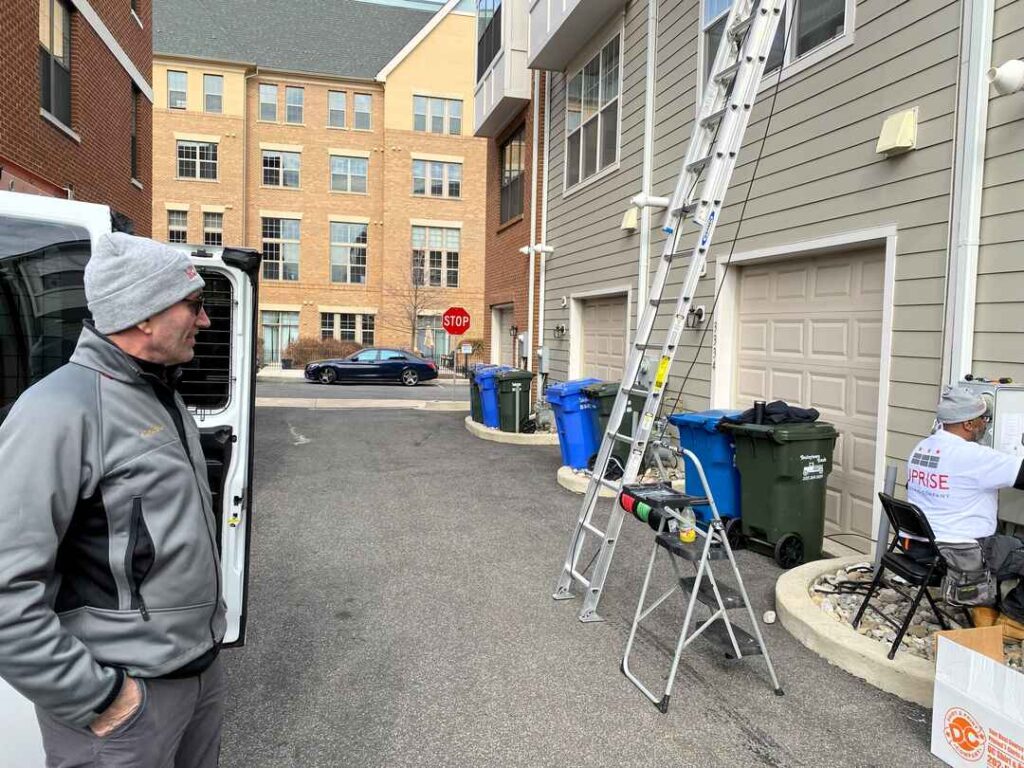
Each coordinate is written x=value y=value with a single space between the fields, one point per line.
x=513 y=399
x=604 y=395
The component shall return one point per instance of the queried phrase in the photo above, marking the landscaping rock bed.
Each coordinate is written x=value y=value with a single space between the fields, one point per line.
x=918 y=640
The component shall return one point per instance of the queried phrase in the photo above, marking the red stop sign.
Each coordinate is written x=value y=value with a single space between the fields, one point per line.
x=455 y=321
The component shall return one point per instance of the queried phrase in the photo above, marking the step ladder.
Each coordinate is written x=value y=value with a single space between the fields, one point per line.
x=710 y=158
x=702 y=588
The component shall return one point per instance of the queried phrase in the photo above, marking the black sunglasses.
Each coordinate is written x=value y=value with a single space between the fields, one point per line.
x=196 y=304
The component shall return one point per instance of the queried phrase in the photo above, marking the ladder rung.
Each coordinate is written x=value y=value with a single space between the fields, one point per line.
x=640 y=391
x=739 y=29
x=727 y=74
x=648 y=345
x=697 y=165
x=719 y=636
x=615 y=485
x=594 y=530
x=730 y=597
x=627 y=439
x=714 y=118
x=585 y=581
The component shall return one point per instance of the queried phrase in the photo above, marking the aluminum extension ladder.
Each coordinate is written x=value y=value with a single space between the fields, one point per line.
x=714 y=144
x=703 y=588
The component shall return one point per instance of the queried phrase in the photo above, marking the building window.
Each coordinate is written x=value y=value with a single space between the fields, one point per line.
x=268 y=103
x=177 y=89
x=436 y=179
x=213 y=93
x=592 y=116
x=135 y=133
x=348 y=174
x=336 y=109
x=280 y=249
x=511 y=179
x=364 y=108
x=279 y=330
x=197 y=160
x=348 y=252
x=294 y=99
x=345 y=326
x=213 y=228
x=433 y=115
x=435 y=256
x=55 y=59
x=281 y=169
x=177 y=226
x=488 y=34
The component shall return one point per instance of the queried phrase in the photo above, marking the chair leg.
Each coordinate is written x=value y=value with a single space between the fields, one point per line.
x=907 y=620
x=935 y=609
x=874 y=586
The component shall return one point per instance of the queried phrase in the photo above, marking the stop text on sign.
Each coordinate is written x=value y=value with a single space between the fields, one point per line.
x=455 y=321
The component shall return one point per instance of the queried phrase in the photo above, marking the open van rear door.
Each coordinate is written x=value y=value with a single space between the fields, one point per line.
x=44 y=246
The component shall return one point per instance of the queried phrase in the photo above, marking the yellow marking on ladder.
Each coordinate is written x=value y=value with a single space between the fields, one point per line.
x=662 y=374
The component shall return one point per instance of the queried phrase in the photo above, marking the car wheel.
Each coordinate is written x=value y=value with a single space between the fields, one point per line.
x=410 y=378
x=328 y=375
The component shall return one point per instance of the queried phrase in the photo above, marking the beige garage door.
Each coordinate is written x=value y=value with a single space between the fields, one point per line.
x=504 y=346
x=604 y=337
x=810 y=333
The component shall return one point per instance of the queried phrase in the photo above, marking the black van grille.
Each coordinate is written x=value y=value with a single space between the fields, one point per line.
x=206 y=381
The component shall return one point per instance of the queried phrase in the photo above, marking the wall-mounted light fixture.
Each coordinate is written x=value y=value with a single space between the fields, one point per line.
x=1007 y=78
x=559 y=331
x=695 y=317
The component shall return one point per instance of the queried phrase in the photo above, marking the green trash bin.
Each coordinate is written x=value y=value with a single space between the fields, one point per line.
x=513 y=399
x=783 y=471
x=604 y=395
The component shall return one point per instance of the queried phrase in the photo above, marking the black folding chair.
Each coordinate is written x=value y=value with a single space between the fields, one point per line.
x=925 y=568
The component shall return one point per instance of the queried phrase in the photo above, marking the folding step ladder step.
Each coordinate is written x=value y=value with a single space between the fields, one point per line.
x=692 y=551
x=718 y=635
x=730 y=597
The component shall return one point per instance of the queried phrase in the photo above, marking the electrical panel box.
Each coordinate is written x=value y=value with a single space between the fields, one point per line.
x=544 y=360
x=521 y=347
x=1006 y=434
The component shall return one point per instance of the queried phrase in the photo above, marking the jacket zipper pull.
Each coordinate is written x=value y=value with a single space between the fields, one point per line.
x=142 y=608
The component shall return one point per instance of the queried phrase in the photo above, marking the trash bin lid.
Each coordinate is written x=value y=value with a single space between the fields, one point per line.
x=602 y=389
x=514 y=374
x=569 y=388
x=706 y=419
x=488 y=373
x=785 y=433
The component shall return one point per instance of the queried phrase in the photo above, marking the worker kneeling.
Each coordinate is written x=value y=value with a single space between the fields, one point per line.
x=955 y=482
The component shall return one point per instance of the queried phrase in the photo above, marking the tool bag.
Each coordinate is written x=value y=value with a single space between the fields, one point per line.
x=967 y=581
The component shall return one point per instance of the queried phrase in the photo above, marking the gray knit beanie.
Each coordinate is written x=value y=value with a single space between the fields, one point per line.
x=959 y=405
x=129 y=279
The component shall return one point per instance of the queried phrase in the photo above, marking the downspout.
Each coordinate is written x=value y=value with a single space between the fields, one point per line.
x=543 y=248
x=245 y=154
x=968 y=183
x=530 y=295
x=643 y=268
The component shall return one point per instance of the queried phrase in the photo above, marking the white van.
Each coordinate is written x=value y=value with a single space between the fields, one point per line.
x=44 y=246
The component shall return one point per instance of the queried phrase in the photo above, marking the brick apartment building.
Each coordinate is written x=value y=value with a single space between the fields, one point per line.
x=75 y=94
x=510 y=114
x=352 y=166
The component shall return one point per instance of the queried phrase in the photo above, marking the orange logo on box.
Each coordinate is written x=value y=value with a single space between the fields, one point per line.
x=964 y=734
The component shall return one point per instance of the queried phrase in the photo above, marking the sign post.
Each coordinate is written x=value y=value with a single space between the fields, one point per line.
x=455 y=322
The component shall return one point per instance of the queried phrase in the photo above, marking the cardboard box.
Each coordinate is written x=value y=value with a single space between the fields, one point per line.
x=978 y=708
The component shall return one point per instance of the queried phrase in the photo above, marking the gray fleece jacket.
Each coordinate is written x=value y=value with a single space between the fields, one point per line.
x=108 y=558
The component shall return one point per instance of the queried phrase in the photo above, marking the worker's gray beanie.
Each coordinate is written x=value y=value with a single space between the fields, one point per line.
x=958 y=405
x=129 y=279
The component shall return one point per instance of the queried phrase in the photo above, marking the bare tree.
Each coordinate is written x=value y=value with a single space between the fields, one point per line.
x=412 y=300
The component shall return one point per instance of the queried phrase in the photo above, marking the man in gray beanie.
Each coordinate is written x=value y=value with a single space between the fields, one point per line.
x=955 y=481
x=111 y=616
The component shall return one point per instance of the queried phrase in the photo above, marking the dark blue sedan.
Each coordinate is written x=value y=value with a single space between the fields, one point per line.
x=373 y=364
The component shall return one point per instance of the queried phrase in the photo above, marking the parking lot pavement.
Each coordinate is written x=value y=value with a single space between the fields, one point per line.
x=429 y=390
x=400 y=615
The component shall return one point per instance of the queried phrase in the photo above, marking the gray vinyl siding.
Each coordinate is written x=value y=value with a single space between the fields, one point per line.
x=817 y=176
x=998 y=324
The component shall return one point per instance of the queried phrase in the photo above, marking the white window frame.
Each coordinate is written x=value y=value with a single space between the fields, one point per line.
x=261 y=102
x=349 y=175
x=570 y=74
x=170 y=91
x=429 y=177
x=356 y=112
x=430 y=106
x=343 y=110
x=177 y=222
x=291 y=90
x=281 y=169
x=448 y=259
x=791 y=64
x=207 y=94
x=198 y=161
x=345 y=250
x=364 y=331
x=283 y=242
x=215 y=230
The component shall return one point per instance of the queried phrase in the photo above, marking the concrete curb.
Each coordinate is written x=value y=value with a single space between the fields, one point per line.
x=577 y=480
x=510 y=438
x=907 y=676
x=354 y=404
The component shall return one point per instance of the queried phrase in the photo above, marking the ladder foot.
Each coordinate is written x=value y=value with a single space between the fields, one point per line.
x=589 y=617
x=663 y=704
x=779 y=692
x=563 y=594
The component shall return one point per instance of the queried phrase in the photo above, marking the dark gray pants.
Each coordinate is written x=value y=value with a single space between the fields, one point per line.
x=1004 y=556
x=177 y=726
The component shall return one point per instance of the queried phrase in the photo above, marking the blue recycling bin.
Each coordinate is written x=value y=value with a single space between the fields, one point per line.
x=716 y=450
x=486 y=382
x=578 y=438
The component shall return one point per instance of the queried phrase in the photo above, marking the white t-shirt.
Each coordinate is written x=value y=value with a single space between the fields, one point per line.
x=956 y=482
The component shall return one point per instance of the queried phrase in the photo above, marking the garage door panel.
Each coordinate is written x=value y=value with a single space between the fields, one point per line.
x=604 y=337
x=810 y=333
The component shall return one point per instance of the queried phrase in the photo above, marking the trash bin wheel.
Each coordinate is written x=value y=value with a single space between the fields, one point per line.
x=734 y=532
x=789 y=551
